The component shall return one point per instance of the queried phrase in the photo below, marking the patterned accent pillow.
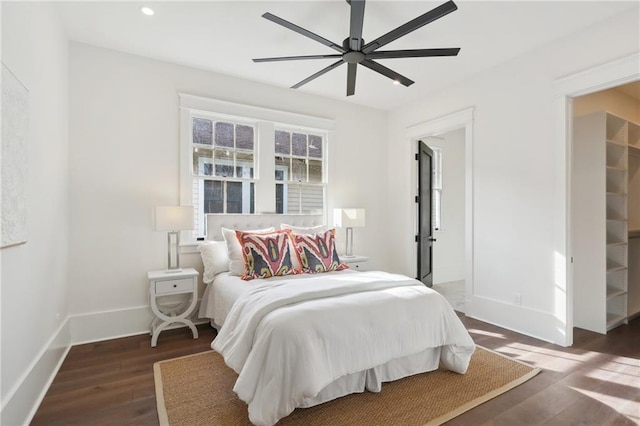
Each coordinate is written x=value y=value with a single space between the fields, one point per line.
x=317 y=252
x=266 y=255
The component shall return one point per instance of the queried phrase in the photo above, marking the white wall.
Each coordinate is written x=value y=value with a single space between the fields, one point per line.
x=35 y=334
x=448 y=250
x=514 y=227
x=124 y=147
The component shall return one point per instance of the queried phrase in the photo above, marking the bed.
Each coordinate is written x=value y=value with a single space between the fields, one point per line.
x=301 y=340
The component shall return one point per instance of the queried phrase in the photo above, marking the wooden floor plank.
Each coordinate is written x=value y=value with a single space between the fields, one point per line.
x=596 y=381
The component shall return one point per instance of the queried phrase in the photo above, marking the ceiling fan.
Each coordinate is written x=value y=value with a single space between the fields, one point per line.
x=354 y=51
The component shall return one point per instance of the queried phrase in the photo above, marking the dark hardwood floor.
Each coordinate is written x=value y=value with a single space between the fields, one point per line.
x=595 y=382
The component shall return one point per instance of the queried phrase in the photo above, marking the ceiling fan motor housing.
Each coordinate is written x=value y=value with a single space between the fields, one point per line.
x=353 y=57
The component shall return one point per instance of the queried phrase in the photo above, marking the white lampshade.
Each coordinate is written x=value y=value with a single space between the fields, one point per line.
x=174 y=218
x=348 y=218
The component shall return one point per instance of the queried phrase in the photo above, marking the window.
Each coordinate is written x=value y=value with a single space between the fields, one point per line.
x=246 y=159
x=299 y=172
x=437 y=189
x=223 y=167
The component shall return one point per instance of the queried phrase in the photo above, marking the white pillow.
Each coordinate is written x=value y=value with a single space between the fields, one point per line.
x=234 y=251
x=305 y=229
x=214 y=258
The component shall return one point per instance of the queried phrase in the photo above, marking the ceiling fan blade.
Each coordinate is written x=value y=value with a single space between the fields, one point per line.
x=414 y=24
x=387 y=72
x=300 y=30
x=413 y=53
x=351 y=78
x=295 y=58
x=318 y=74
x=357 y=20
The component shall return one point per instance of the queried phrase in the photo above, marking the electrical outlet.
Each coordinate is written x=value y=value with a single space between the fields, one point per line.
x=517 y=299
x=58 y=316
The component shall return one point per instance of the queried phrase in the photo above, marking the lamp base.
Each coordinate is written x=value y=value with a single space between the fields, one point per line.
x=173 y=271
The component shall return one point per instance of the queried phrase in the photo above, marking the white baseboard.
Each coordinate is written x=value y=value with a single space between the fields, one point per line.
x=531 y=322
x=98 y=326
x=23 y=400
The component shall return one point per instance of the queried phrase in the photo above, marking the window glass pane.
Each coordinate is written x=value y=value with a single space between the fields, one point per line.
x=202 y=131
x=437 y=209
x=244 y=137
x=224 y=163
x=224 y=134
x=299 y=144
x=437 y=168
x=298 y=170
x=252 y=200
x=283 y=142
x=293 y=199
x=303 y=199
x=315 y=171
x=315 y=146
x=283 y=168
x=244 y=165
x=311 y=199
x=202 y=161
x=213 y=196
x=280 y=197
x=234 y=197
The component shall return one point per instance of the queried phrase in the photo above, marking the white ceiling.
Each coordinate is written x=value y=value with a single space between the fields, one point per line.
x=224 y=36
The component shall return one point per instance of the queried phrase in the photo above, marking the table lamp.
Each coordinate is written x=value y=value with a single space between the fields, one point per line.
x=349 y=219
x=173 y=219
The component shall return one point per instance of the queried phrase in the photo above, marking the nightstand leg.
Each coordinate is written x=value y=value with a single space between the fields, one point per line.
x=155 y=332
x=194 y=330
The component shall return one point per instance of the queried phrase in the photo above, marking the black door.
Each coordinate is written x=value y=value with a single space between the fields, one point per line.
x=425 y=238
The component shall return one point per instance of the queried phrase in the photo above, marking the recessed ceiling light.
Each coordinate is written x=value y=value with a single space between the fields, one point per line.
x=147 y=10
x=396 y=82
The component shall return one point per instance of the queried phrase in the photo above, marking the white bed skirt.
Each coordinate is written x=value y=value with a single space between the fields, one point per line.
x=373 y=378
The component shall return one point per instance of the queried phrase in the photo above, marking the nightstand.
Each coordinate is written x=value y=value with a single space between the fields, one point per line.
x=357 y=263
x=169 y=285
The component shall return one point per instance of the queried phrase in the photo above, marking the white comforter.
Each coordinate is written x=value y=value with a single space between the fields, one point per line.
x=288 y=339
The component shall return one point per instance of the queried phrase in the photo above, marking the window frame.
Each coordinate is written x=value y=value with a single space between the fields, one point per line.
x=265 y=121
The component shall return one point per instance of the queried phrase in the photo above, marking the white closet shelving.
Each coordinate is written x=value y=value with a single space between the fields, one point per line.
x=605 y=214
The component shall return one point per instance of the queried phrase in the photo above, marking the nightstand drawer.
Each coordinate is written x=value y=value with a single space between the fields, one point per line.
x=358 y=266
x=174 y=286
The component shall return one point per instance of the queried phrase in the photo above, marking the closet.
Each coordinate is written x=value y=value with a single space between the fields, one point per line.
x=605 y=225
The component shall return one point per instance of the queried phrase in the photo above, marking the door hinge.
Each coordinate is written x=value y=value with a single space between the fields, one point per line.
x=417 y=198
x=417 y=238
x=417 y=156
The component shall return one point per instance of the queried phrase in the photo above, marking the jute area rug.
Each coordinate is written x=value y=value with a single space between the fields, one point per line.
x=197 y=390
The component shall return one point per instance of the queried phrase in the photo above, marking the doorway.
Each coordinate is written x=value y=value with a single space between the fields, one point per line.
x=458 y=121
x=615 y=73
x=605 y=207
x=448 y=214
